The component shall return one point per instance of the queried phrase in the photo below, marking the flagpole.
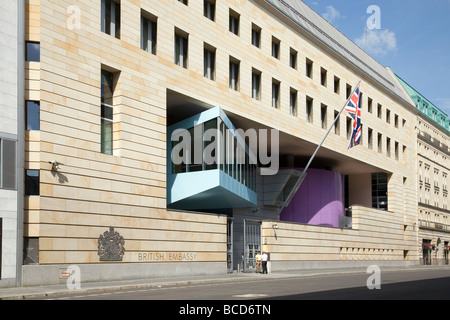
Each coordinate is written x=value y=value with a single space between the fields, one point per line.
x=304 y=172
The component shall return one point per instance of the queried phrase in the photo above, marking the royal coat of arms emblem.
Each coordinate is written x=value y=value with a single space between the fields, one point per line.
x=111 y=246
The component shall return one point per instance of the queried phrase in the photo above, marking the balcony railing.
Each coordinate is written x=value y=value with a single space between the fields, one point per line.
x=434 y=226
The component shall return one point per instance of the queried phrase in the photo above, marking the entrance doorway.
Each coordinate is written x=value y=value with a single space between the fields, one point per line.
x=427 y=248
x=252 y=243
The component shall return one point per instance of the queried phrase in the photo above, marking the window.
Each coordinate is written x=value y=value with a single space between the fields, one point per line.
x=8 y=157
x=309 y=109
x=323 y=116
x=293 y=58
x=349 y=127
x=275 y=48
x=181 y=49
x=110 y=12
x=293 y=102
x=183 y=1
x=370 y=138
x=369 y=105
x=388 y=116
x=337 y=85
x=256 y=84
x=33 y=51
x=209 y=8
x=256 y=35
x=32 y=115
x=148 y=32
x=348 y=90
x=379 y=111
x=388 y=146
x=275 y=93
x=379 y=190
x=396 y=150
x=234 y=74
x=380 y=143
x=323 y=77
x=309 y=68
x=106 y=118
x=31 y=182
x=337 y=127
x=209 y=61
x=234 y=22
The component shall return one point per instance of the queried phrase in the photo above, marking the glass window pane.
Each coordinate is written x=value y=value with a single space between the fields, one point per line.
x=107 y=87
x=33 y=51
x=106 y=136
x=32 y=182
x=8 y=163
x=33 y=115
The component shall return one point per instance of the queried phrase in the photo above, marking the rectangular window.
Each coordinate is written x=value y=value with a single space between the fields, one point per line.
x=293 y=102
x=234 y=74
x=8 y=157
x=234 y=22
x=380 y=143
x=337 y=127
x=275 y=93
x=181 y=49
x=309 y=109
x=209 y=9
x=337 y=85
x=110 y=12
x=275 y=48
x=309 y=68
x=379 y=191
x=33 y=51
x=380 y=111
x=349 y=127
x=348 y=90
x=388 y=146
x=33 y=115
x=323 y=77
x=388 y=116
x=31 y=182
x=293 y=58
x=323 y=116
x=106 y=118
x=183 y=1
x=209 y=61
x=256 y=35
x=369 y=105
x=370 y=138
x=256 y=85
x=148 y=32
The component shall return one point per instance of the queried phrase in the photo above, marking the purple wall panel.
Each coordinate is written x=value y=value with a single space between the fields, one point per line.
x=318 y=201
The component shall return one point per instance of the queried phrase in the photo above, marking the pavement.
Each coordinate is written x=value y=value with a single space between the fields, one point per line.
x=22 y=293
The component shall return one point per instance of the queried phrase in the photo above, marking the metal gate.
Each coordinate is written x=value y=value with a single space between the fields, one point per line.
x=252 y=243
x=230 y=245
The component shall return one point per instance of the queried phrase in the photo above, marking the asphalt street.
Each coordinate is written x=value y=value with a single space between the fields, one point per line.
x=393 y=285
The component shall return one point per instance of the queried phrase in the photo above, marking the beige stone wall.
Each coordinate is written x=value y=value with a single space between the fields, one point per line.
x=376 y=236
x=127 y=190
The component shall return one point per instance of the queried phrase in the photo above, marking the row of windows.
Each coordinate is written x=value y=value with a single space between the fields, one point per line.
x=149 y=41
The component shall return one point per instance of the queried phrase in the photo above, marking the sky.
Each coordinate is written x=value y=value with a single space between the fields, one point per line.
x=412 y=37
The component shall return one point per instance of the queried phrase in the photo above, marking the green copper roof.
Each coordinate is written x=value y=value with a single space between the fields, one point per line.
x=426 y=107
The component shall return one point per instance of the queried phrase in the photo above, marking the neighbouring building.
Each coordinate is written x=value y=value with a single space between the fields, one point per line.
x=126 y=103
x=433 y=141
x=11 y=141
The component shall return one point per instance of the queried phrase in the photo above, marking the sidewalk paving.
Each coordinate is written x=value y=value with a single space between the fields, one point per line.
x=20 y=293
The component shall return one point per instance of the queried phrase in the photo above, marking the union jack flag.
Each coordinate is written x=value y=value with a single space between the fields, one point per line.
x=353 y=107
